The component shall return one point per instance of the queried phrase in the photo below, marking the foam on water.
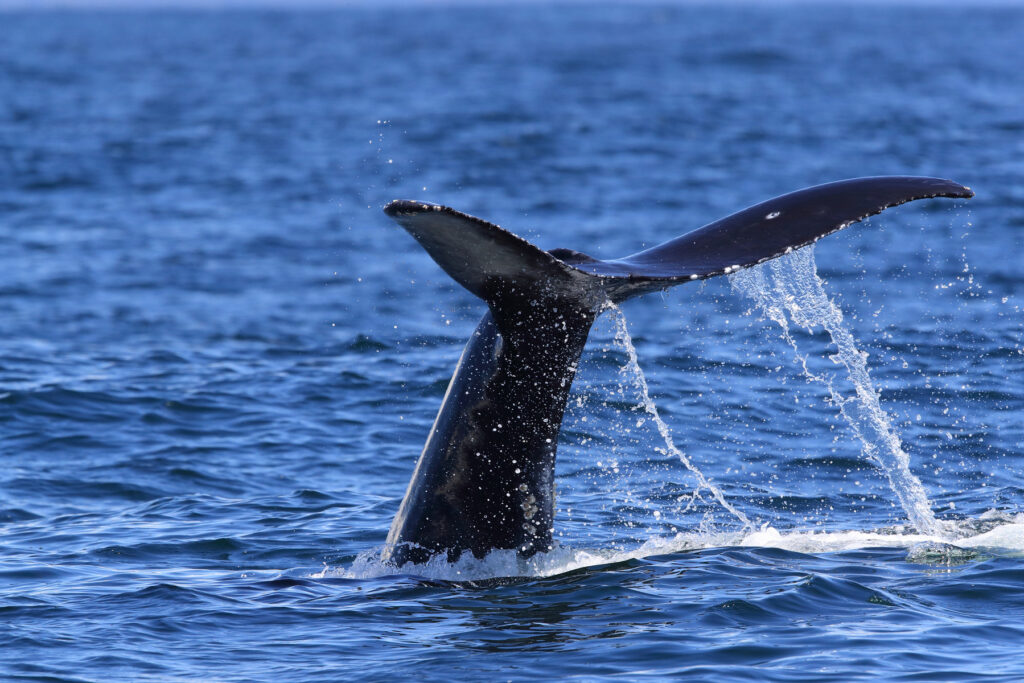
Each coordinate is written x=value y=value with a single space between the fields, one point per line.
x=994 y=532
x=788 y=290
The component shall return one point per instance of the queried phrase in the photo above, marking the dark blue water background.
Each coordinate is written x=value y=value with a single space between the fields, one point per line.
x=219 y=360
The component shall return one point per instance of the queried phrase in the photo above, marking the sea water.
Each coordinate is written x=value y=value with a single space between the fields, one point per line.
x=219 y=360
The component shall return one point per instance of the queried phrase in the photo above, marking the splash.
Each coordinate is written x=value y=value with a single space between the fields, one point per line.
x=633 y=371
x=994 y=533
x=788 y=290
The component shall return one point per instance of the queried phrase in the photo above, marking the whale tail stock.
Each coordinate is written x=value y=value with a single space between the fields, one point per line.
x=485 y=478
x=489 y=261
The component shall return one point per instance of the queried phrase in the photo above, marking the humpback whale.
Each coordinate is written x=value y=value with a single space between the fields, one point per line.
x=485 y=478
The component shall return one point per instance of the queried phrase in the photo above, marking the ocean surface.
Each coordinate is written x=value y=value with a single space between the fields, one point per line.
x=219 y=360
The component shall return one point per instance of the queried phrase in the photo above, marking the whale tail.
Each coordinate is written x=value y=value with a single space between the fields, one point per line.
x=485 y=478
x=491 y=262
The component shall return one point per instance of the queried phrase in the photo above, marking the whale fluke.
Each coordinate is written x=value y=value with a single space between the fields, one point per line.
x=485 y=478
x=480 y=255
x=475 y=252
x=769 y=229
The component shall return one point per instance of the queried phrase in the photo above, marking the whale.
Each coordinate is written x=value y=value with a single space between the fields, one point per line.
x=485 y=479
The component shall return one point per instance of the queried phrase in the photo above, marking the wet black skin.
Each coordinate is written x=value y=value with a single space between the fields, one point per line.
x=485 y=479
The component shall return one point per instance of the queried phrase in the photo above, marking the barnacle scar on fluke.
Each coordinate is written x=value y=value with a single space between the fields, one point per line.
x=485 y=479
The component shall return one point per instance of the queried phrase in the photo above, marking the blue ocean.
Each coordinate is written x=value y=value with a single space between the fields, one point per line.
x=219 y=360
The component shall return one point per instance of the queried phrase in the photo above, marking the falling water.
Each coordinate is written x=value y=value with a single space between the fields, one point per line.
x=790 y=285
x=632 y=367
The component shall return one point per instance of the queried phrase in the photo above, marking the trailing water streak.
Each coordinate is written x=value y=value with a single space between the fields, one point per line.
x=632 y=367
x=791 y=285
